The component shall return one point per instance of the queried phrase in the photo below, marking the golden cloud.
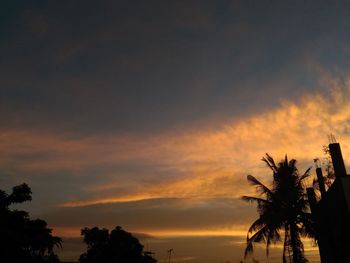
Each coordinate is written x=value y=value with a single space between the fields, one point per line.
x=205 y=163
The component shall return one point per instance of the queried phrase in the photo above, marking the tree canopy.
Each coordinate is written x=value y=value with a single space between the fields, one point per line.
x=21 y=238
x=117 y=246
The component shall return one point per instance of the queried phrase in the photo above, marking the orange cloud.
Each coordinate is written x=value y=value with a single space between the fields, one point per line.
x=202 y=164
x=232 y=231
x=215 y=163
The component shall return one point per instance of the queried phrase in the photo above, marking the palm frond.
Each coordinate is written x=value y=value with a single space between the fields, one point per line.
x=305 y=175
x=291 y=163
x=273 y=237
x=270 y=162
x=259 y=223
x=260 y=186
x=286 y=161
x=308 y=225
x=255 y=199
x=257 y=237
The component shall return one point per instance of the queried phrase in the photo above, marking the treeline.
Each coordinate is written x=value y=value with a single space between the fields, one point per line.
x=23 y=239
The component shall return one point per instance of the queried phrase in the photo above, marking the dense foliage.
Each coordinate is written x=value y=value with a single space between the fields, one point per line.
x=23 y=239
x=117 y=246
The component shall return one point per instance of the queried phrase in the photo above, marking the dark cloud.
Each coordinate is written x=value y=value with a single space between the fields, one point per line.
x=136 y=66
x=74 y=71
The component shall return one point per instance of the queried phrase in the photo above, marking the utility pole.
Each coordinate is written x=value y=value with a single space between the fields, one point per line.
x=169 y=254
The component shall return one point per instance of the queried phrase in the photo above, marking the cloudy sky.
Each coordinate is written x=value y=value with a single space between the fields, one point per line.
x=150 y=114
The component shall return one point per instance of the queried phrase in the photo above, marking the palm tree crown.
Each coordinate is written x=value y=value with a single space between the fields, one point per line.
x=284 y=208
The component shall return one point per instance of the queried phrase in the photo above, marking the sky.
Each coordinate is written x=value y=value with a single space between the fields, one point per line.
x=150 y=114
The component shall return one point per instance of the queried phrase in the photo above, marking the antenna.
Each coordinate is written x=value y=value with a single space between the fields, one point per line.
x=331 y=138
x=169 y=254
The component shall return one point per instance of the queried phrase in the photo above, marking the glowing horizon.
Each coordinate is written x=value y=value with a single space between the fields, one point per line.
x=150 y=115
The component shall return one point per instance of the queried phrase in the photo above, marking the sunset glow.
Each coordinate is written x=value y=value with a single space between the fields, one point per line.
x=150 y=115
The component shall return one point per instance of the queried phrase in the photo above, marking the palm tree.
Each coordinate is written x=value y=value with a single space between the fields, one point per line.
x=283 y=209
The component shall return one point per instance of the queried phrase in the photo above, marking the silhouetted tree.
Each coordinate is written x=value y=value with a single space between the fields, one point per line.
x=23 y=239
x=284 y=208
x=118 y=246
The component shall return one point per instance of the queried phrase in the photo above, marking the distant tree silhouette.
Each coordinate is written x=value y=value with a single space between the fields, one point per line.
x=23 y=239
x=118 y=246
x=284 y=208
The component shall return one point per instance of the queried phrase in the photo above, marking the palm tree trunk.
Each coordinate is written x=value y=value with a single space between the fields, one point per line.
x=287 y=257
x=293 y=243
x=298 y=254
x=284 y=260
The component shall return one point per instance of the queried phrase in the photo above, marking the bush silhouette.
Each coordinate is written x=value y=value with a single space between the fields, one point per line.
x=117 y=246
x=23 y=239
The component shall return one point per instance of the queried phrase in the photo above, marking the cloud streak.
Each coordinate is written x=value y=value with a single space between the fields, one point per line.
x=213 y=164
x=151 y=114
x=204 y=170
x=187 y=164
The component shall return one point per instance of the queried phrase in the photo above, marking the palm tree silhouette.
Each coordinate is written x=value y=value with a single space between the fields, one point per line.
x=284 y=209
